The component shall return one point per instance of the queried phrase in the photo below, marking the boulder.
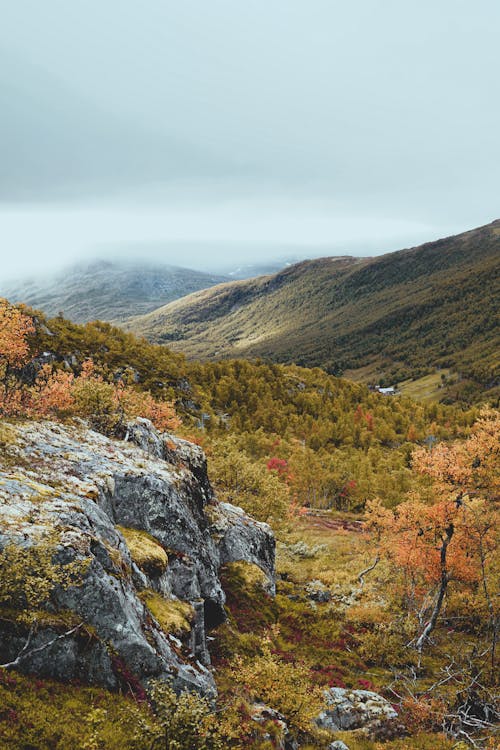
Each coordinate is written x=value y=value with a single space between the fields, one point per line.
x=318 y=592
x=355 y=709
x=76 y=485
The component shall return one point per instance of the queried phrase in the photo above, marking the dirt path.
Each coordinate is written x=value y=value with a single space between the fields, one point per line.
x=315 y=519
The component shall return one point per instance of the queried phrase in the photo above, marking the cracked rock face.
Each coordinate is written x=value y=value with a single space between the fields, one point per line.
x=80 y=485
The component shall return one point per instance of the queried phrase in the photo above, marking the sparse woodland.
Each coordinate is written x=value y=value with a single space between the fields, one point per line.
x=386 y=516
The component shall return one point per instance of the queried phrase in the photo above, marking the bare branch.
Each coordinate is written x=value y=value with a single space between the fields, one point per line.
x=361 y=576
x=26 y=651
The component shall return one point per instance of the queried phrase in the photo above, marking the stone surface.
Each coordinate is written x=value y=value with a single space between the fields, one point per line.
x=261 y=713
x=78 y=484
x=337 y=745
x=318 y=592
x=355 y=709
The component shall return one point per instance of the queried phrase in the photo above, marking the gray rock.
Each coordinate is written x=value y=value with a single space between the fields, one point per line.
x=318 y=592
x=80 y=485
x=242 y=538
x=261 y=713
x=355 y=709
x=337 y=745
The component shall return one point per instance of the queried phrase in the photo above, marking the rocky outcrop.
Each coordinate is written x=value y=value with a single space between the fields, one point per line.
x=355 y=709
x=80 y=487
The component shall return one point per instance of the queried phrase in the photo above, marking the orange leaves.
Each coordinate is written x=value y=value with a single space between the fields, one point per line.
x=58 y=393
x=105 y=404
x=459 y=523
x=471 y=466
x=52 y=393
x=138 y=403
x=14 y=330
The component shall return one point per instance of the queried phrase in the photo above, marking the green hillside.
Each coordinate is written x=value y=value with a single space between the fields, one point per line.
x=308 y=453
x=389 y=318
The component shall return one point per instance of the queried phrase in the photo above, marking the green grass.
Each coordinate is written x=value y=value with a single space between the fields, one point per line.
x=429 y=388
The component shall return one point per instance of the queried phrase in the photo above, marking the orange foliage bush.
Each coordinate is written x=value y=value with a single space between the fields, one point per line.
x=58 y=394
x=454 y=537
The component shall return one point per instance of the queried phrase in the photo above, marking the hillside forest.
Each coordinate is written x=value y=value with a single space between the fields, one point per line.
x=385 y=512
x=426 y=312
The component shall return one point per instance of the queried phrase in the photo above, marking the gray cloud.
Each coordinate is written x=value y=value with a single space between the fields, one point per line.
x=294 y=122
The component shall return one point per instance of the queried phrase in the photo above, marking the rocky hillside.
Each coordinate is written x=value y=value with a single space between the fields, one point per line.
x=137 y=525
x=107 y=290
x=395 y=315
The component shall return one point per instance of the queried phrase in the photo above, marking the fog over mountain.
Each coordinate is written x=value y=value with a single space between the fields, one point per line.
x=243 y=132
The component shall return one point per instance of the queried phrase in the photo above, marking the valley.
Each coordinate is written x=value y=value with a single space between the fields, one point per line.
x=382 y=320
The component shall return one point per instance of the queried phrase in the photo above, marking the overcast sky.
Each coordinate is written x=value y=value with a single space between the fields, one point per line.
x=200 y=129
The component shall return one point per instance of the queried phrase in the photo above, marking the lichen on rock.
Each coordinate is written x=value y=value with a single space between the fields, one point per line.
x=100 y=497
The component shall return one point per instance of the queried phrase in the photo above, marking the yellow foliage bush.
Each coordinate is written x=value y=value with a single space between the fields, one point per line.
x=183 y=722
x=284 y=686
x=244 y=482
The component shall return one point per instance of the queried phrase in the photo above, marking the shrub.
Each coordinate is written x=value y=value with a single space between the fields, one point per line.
x=182 y=722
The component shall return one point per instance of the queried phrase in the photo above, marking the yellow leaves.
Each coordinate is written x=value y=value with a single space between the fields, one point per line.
x=284 y=686
x=183 y=722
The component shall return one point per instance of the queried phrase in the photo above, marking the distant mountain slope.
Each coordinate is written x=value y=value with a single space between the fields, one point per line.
x=393 y=315
x=107 y=290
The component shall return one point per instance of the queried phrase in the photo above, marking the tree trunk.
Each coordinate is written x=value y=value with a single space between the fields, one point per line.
x=441 y=592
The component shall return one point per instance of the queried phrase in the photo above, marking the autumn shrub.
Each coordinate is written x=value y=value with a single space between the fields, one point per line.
x=384 y=646
x=184 y=722
x=284 y=686
x=423 y=714
x=246 y=483
x=15 y=327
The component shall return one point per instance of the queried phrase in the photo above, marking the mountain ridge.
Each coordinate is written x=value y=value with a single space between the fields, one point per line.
x=110 y=290
x=434 y=305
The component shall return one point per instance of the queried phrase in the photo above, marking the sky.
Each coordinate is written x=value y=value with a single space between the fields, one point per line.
x=207 y=133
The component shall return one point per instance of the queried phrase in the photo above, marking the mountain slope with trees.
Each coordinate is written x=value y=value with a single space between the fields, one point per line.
x=391 y=317
x=385 y=513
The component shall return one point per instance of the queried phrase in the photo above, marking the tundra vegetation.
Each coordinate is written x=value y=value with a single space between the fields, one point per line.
x=386 y=517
